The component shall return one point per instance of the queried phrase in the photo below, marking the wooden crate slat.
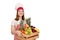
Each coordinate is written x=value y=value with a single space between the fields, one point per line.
x=36 y=33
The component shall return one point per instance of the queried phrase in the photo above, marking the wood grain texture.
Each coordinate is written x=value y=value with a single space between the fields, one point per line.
x=33 y=36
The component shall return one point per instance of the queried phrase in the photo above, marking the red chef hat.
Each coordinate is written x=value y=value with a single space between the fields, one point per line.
x=20 y=8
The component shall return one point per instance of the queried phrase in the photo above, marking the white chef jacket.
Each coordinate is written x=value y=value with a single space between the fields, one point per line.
x=15 y=23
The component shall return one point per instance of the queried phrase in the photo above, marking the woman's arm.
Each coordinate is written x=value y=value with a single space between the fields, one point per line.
x=12 y=29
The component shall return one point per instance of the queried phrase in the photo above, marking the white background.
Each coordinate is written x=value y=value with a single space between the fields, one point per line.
x=45 y=15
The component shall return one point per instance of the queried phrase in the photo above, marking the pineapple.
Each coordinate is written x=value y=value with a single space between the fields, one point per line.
x=28 y=21
x=21 y=25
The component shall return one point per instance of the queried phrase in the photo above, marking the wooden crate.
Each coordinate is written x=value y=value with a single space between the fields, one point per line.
x=33 y=36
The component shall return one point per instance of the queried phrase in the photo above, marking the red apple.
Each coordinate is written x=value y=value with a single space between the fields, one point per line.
x=33 y=30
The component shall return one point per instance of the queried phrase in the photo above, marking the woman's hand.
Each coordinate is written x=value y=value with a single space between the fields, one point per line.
x=18 y=33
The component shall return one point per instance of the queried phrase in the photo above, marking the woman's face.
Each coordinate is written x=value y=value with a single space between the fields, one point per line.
x=20 y=13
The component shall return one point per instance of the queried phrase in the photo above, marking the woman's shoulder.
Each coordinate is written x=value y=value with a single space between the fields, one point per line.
x=13 y=22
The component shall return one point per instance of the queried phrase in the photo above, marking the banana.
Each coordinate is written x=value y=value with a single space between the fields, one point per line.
x=36 y=29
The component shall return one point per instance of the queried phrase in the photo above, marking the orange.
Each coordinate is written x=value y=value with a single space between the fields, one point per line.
x=23 y=31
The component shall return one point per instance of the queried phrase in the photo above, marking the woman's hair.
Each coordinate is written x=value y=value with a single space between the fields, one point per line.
x=17 y=16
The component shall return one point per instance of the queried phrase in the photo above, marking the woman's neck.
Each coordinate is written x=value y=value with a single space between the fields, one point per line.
x=20 y=17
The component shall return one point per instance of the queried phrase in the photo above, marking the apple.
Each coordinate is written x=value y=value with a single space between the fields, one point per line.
x=26 y=25
x=33 y=30
x=23 y=31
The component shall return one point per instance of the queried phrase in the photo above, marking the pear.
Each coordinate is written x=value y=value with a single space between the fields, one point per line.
x=28 y=31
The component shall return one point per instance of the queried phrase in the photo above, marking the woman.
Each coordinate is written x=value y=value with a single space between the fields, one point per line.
x=20 y=16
